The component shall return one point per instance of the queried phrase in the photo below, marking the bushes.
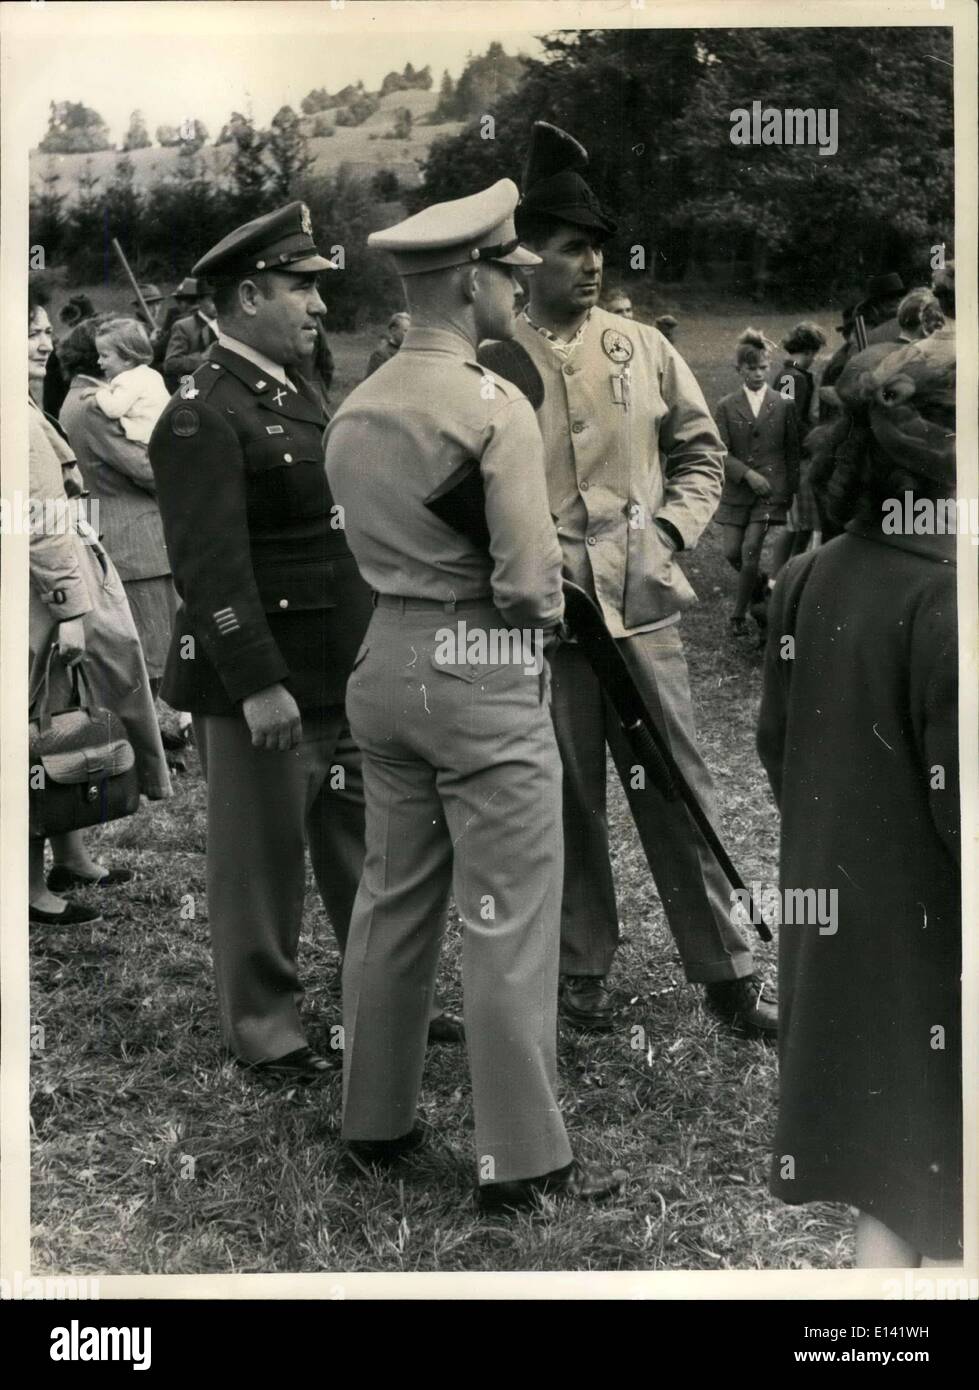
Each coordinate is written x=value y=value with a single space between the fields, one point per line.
x=165 y=230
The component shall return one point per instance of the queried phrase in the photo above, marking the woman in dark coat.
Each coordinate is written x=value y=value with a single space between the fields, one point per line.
x=858 y=734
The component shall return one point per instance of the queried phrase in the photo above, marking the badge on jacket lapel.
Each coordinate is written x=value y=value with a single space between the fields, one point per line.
x=616 y=345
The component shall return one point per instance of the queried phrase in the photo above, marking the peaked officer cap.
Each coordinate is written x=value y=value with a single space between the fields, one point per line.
x=461 y=232
x=281 y=240
x=553 y=185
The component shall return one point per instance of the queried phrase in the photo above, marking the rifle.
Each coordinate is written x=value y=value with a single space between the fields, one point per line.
x=459 y=502
x=150 y=321
x=603 y=655
x=859 y=332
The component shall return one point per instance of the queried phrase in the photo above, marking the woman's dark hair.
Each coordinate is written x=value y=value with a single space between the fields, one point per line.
x=38 y=295
x=77 y=352
x=851 y=475
x=79 y=307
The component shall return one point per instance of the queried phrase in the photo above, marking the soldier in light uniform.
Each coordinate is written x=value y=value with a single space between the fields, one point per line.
x=634 y=472
x=273 y=611
x=461 y=770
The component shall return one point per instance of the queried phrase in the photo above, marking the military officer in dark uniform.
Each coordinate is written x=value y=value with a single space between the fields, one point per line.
x=273 y=611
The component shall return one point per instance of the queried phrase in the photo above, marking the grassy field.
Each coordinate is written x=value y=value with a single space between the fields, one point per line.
x=151 y=1155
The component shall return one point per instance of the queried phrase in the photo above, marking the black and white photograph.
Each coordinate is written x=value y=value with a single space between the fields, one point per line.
x=489 y=624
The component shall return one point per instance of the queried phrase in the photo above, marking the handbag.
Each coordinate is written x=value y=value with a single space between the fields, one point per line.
x=82 y=765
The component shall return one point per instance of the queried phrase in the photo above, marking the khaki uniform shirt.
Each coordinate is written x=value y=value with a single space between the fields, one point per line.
x=628 y=439
x=399 y=436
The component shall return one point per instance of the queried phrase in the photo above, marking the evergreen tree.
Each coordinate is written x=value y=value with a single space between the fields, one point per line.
x=288 y=151
x=137 y=136
x=88 y=236
x=248 y=171
x=446 y=102
x=47 y=219
x=124 y=208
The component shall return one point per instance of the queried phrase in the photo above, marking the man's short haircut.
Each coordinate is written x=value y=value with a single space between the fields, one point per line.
x=225 y=292
x=129 y=339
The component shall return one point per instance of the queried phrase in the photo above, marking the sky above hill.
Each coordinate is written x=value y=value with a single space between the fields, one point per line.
x=177 y=61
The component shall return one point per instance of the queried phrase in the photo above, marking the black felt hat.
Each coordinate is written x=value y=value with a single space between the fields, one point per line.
x=553 y=185
x=884 y=286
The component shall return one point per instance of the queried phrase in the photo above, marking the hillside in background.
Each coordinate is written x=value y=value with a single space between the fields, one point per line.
x=363 y=149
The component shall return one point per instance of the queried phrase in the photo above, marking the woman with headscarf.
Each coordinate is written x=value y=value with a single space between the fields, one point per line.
x=77 y=605
x=858 y=734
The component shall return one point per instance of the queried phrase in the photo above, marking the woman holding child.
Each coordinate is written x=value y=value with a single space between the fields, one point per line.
x=108 y=427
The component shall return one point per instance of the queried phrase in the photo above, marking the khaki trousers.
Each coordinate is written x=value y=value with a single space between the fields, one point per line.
x=695 y=894
x=462 y=780
x=262 y=808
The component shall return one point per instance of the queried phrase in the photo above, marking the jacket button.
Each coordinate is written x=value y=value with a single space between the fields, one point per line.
x=577 y=427
x=584 y=486
x=287 y=458
x=591 y=540
x=283 y=603
x=568 y=369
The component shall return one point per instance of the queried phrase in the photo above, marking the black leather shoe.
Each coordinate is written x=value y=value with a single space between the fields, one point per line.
x=587 y=1003
x=743 y=1004
x=301 y=1068
x=446 y=1028
x=62 y=879
x=584 y=1182
x=74 y=915
x=384 y=1152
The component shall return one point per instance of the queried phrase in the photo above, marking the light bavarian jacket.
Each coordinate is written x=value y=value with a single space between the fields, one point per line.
x=621 y=453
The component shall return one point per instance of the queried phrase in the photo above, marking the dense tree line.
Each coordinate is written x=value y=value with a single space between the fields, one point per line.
x=167 y=227
x=654 y=109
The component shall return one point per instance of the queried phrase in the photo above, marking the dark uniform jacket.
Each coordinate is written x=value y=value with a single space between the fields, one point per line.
x=270 y=591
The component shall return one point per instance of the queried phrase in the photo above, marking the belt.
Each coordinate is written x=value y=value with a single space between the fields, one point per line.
x=445 y=606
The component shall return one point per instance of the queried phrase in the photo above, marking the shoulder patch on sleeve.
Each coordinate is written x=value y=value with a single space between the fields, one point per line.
x=185 y=421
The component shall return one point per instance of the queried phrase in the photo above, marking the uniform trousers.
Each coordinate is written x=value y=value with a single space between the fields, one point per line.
x=262 y=809
x=462 y=780
x=694 y=892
